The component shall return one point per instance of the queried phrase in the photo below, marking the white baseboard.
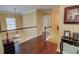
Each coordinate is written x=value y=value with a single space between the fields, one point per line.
x=30 y=38
x=48 y=37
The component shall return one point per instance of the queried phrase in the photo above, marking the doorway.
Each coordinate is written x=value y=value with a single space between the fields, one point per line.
x=47 y=25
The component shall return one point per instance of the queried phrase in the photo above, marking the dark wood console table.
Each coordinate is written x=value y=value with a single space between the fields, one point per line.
x=68 y=40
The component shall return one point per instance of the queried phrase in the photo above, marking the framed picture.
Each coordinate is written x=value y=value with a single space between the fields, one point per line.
x=67 y=34
x=71 y=15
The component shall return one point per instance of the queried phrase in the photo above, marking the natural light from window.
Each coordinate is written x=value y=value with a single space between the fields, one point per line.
x=11 y=23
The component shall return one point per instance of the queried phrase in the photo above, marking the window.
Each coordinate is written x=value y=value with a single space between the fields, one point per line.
x=11 y=23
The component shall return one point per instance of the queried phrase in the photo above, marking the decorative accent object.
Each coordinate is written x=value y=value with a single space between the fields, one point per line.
x=78 y=37
x=67 y=33
x=75 y=36
x=71 y=15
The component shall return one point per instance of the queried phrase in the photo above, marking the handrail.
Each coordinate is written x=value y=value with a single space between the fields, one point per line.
x=19 y=28
x=15 y=29
x=24 y=28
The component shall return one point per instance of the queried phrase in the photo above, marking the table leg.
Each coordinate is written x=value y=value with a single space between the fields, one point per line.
x=61 y=47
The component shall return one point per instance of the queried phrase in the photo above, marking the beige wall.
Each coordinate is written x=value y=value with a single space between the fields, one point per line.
x=3 y=20
x=33 y=18
x=3 y=23
x=1 y=46
x=29 y=19
x=55 y=23
x=57 y=20
x=3 y=26
x=71 y=27
x=39 y=22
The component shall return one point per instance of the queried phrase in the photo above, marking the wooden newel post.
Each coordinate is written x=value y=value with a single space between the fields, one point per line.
x=45 y=37
x=7 y=36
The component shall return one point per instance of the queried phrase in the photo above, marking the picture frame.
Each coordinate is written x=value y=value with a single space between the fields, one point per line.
x=67 y=34
x=71 y=15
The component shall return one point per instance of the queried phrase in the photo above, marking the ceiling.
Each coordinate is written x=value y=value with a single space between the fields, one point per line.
x=22 y=9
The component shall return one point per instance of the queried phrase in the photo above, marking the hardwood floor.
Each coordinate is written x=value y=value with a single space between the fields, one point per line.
x=36 y=46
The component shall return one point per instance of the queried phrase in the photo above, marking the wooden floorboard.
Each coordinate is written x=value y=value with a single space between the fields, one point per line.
x=36 y=46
